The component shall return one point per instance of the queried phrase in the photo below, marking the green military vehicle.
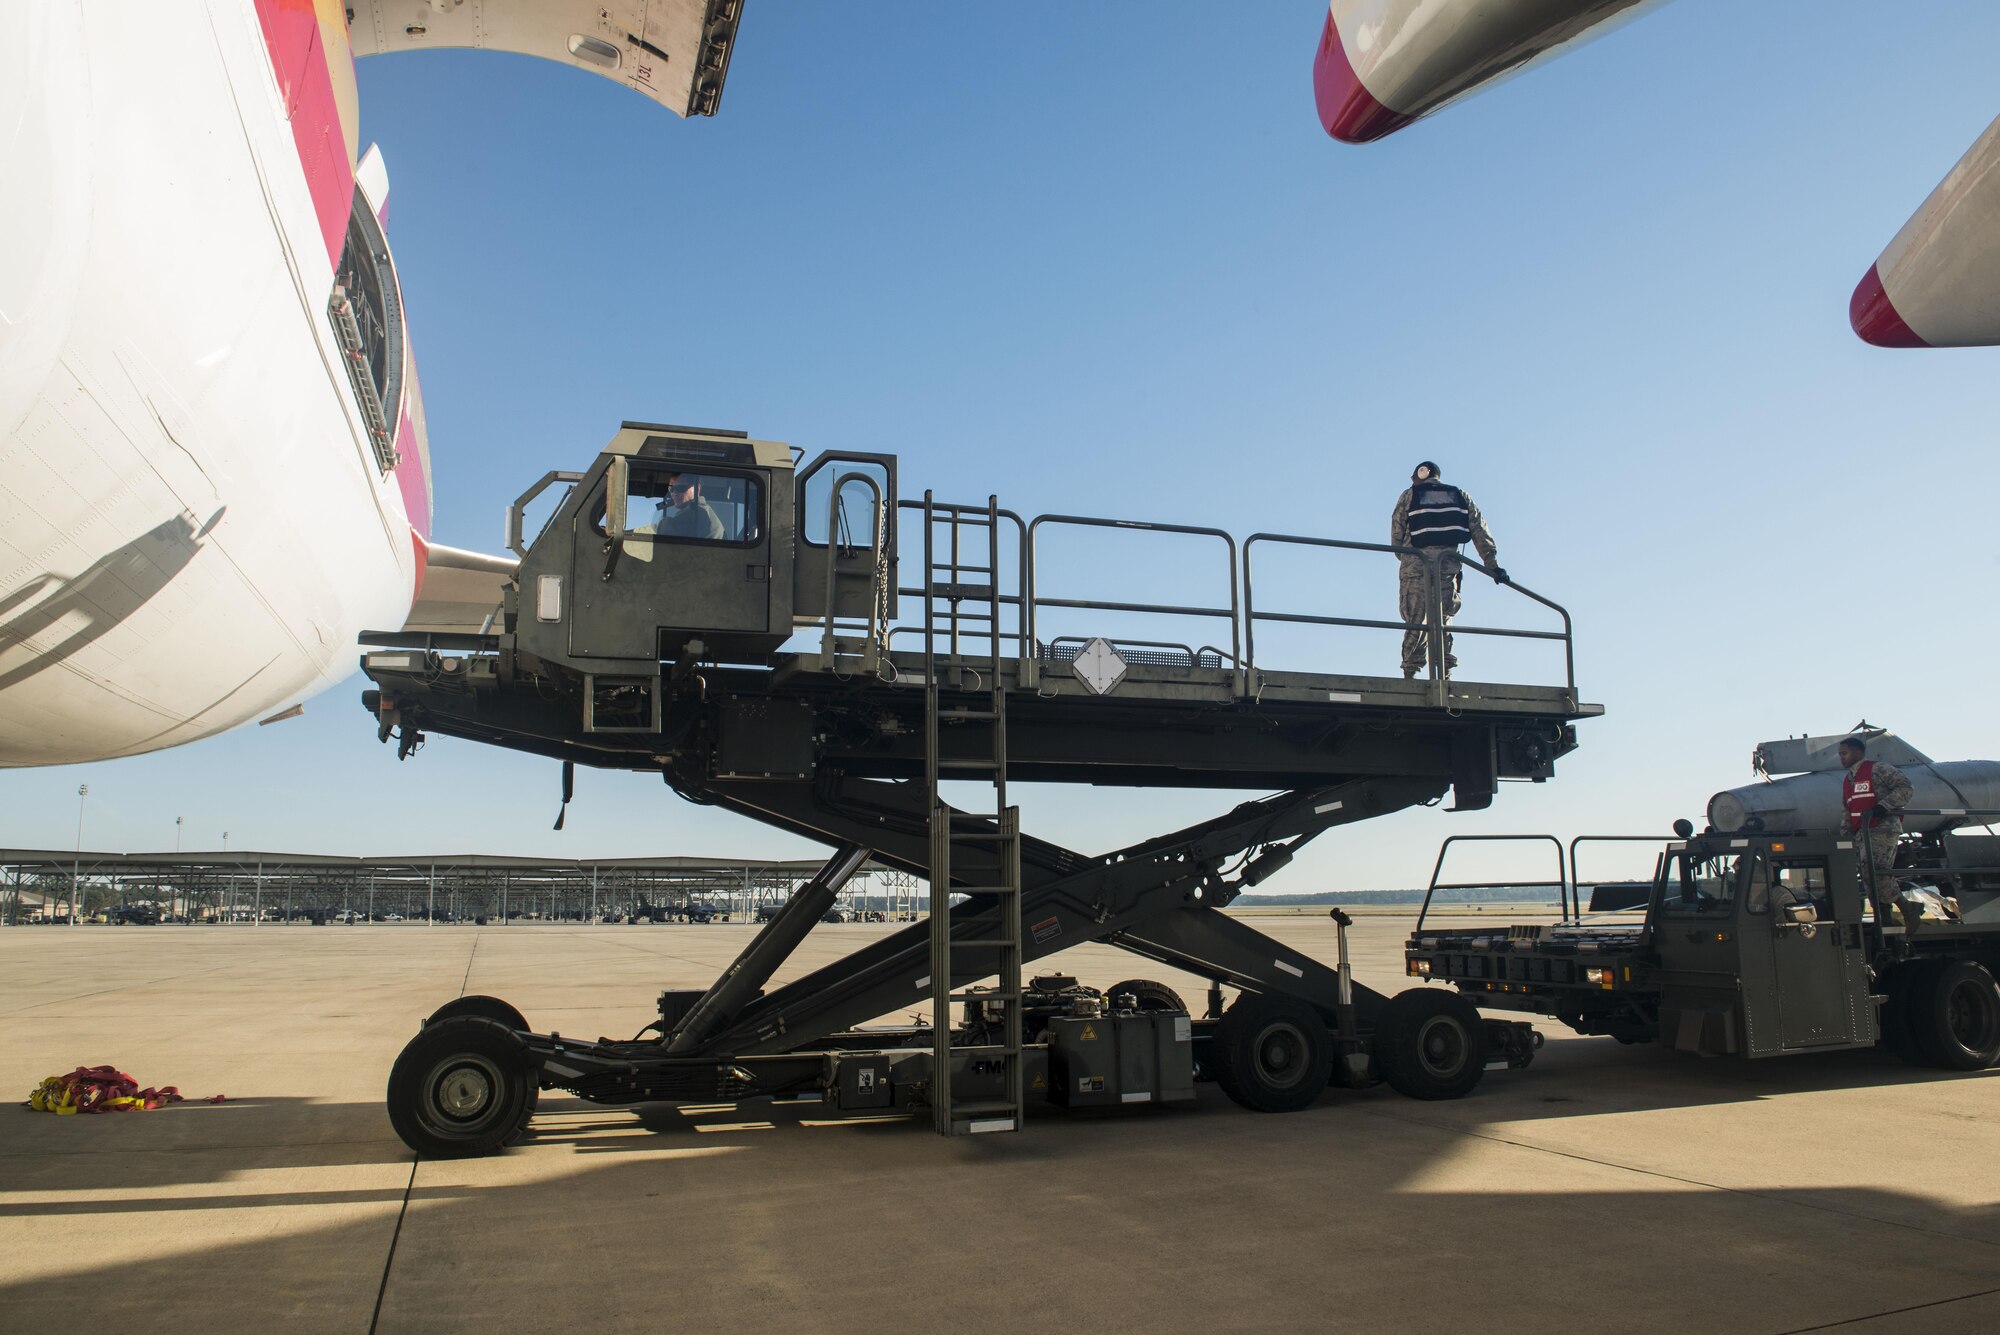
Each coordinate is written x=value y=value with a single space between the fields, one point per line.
x=1754 y=944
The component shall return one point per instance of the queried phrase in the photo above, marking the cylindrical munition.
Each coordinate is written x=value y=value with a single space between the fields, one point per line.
x=1813 y=802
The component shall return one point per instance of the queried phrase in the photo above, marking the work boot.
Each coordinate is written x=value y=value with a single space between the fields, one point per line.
x=1409 y=674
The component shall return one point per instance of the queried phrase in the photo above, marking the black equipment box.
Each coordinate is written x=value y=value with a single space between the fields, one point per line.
x=1145 y=1057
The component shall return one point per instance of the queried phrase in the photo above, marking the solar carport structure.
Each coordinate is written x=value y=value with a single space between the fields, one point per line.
x=40 y=885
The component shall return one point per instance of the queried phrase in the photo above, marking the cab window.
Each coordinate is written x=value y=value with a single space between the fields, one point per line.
x=689 y=505
x=1705 y=886
x=1802 y=883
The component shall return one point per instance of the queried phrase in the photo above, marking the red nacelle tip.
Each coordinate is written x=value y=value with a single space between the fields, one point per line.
x=1875 y=317
x=1349 y=111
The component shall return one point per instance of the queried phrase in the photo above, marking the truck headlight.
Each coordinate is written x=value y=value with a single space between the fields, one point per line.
x=1420 y=968
x=1599 y=977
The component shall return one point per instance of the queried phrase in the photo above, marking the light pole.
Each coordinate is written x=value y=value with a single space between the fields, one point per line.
x=177 y=853
x=76 y=869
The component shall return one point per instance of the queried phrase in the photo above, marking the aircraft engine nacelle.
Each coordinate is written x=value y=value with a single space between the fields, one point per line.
x=1937 y=285
x=1384 y=63
x=1812 y=803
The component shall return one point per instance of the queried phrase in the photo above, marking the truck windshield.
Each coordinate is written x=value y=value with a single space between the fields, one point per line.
x=1698 y=884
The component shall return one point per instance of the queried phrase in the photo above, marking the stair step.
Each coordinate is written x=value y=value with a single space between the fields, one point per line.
x=947 y=763
x=981 y=1107
x=985 y=715
x=985 y=943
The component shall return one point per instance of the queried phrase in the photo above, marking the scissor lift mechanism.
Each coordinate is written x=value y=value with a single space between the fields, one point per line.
x=845 y=745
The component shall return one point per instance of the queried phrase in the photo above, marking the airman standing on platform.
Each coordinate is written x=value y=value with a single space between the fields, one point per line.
x=1437 y=519
x=1874 y=793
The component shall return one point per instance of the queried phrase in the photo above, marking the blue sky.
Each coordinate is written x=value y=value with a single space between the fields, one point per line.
x=1102 y=259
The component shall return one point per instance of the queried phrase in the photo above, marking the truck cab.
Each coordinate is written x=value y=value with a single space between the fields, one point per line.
x=681 y=544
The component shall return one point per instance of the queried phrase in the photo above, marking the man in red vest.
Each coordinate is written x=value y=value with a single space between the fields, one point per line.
x=1874 y=793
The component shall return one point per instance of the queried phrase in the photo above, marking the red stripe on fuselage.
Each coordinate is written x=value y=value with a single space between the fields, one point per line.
x=410 y=479
x=298 y=58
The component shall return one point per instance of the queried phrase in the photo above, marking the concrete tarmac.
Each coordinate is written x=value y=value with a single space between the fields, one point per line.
x=1605 y=1189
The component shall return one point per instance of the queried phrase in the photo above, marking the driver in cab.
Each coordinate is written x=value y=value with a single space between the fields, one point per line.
x=684 y=514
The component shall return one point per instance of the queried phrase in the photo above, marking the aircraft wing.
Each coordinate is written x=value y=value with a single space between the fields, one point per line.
x=675 y=52
x=1938 y=283
x=461 y=591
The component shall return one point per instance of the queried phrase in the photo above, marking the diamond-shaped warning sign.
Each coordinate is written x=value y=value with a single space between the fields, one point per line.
x=1099 y=667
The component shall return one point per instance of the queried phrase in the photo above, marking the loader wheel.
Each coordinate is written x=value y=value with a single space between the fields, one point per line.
x=1273 y=1053
x=487 y=1008
x=460 y=1088
x=1149 y=995
x=1956 y=1016
x=1430 y=1044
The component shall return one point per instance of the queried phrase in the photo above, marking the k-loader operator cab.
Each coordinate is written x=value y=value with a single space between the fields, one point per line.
x=1753 y=944
x=803 y=646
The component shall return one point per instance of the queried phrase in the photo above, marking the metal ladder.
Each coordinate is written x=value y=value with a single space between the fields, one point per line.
x=962 y=640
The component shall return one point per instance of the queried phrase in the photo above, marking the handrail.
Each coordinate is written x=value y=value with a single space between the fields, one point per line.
x=1023 y=578
x=1433 y=623
x=1233 y=611
x=1445 y=848
x=1576 y=881
x=834 y=514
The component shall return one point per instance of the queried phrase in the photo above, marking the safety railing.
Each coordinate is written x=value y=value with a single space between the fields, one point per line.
x=1434 y=626
x=1568 y=884
x=1233 y=612
x=1241 y=612
x=1575 y=909
x=1559 y=884
x=1022 y=636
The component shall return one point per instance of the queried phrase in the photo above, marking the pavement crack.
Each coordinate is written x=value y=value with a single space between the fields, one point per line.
x=468 y=966
x=1688 y=1181
x=389 y=1261
x=1893 y=1311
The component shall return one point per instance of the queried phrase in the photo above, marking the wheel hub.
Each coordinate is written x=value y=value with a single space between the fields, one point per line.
x=1281 y=1055
x=462 y=1090
x=1441 y=1046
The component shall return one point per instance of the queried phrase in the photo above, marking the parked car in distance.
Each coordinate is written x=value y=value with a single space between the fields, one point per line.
x=135 y=915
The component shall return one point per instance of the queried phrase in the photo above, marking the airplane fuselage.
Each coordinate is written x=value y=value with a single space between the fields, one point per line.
x=202 y=507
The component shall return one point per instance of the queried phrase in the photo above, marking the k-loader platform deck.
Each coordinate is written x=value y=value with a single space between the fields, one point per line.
x=647 y=628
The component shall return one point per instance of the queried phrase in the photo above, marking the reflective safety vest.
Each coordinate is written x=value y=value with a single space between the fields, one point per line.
x=1857 y=790
x=1439 y=516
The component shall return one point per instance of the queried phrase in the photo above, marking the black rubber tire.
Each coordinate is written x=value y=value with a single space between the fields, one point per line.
x=460 y=1088
x=1150 y=995
x=1898 y=1037
x=1955 y=1016
x=1430 y=1044
x=488 y=1008
x=1272 y=1052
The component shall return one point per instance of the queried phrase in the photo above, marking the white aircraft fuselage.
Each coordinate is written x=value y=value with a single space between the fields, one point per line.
x=201 y=509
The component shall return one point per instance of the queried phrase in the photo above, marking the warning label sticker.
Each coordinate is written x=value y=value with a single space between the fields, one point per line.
x=1090 y=1084
x=1039 y=1082
x=1089 y=1034
x=1046 y=928
x=1183 y=1029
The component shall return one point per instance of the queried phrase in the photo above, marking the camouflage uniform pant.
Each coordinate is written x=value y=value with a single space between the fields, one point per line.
x=1882 y=841
x=1411 y=597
